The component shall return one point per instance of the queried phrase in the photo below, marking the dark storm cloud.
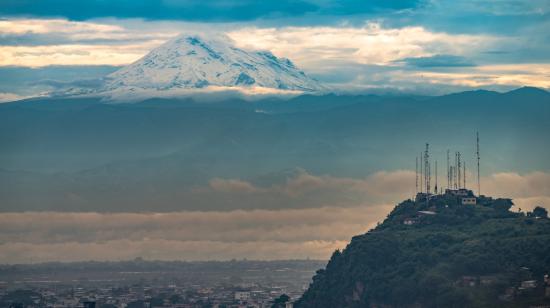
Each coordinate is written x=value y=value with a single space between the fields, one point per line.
x=194 y=10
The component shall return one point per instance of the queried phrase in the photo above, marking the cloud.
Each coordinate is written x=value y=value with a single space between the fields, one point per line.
x=254 y=233
x=166 y=250
x=233 y=186
x=217 y=10
x=71 y=55
x=308 y=46
x=287 y=225
x=25 y=81
x=193 y=10
x=514 y=185
x=43 y=42
x=9 y=97
x=366 y=57
x=371 y=44
x=437 y=61
x=487 y=76
x=409 y=58
x=57 y=84
x=303 y=189
x=38 y=32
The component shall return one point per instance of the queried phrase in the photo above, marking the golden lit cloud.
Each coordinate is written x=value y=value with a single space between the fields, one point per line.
x=36 y=56
x=23 y=26
x=371 y=44
x=537 y=75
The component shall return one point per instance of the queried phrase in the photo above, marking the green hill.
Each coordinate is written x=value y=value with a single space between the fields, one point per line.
x=441 y=253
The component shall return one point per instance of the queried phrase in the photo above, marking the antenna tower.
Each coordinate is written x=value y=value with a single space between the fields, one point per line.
x=421 y=174
x=464 y=175
x=416 y=175
x=454 y=171
x=436 y=177
x=448 y=172
x=459 y=171
x=427 y=173
x=477 y=154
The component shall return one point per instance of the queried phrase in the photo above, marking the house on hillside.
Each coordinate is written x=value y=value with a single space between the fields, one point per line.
x=461 y=192
x=469 y=201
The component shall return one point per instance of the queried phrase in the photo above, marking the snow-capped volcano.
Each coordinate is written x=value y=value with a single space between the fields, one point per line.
x=190 y=62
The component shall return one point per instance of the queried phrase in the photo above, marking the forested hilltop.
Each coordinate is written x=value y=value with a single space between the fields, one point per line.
x=442 y=252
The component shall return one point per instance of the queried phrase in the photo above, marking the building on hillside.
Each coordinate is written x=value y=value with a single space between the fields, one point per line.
x=469 y=201
x=461 y=192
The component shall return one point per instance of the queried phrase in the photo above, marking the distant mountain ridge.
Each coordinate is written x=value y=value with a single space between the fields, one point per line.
x=193 y=62
x=51 y=145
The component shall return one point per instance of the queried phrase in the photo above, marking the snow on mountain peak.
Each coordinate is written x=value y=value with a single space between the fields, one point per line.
x=191 y=62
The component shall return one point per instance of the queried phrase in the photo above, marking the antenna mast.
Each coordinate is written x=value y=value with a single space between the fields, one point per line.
x=454 y=171
x=436 y=177
x=459 y=173
x=421 y=174
x=416 y=175
x=427 y=173
x=464 y=175
x=448 y=172
x=477 y=154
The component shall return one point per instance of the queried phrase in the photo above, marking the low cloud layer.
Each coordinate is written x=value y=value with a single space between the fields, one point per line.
x=313 y=232
x=256 y=234
x=295 y=190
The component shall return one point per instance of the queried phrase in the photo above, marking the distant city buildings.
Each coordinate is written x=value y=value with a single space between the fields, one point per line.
x=247 y=284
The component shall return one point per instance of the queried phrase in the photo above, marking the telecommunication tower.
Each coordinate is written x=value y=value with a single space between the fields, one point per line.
x=477 y=154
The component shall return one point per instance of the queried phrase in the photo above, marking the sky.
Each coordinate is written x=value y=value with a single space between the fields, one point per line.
x=427 y=47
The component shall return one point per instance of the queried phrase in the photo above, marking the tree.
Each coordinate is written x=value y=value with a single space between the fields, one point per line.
x=503 y=205
x=540 y=212
x=281 y=301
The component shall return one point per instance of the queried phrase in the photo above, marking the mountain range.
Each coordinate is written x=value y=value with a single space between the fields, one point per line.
x=129 y=156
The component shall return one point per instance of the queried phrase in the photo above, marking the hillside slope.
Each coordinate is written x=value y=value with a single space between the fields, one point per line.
x=448 y=255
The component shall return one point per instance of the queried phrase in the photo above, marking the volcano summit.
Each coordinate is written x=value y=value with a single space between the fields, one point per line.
x=191 y=62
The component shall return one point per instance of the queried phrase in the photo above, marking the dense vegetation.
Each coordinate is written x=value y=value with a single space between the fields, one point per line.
x=449 y=255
